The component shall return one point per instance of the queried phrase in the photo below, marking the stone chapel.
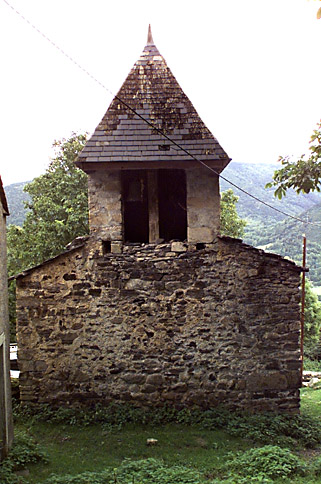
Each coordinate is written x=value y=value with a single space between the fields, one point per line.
x=154 y=307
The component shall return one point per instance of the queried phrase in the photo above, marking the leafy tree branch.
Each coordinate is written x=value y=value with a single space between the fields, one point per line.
x=304 y=174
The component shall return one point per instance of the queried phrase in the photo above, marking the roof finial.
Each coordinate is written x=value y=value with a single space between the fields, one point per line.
x=150 y=40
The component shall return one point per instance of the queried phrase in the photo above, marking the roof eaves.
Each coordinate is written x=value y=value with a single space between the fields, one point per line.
x=48 y=261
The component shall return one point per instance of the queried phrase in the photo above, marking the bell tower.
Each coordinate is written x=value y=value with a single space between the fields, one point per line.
x=142 y=186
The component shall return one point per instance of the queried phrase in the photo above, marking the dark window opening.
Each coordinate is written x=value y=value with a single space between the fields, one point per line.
x=200 y=246
x=106 y=245
x=135 y=205
x=172 y=205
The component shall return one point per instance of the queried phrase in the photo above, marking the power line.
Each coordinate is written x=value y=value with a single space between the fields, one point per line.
x=56 y=46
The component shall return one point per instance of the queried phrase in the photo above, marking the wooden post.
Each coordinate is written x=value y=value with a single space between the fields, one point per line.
x=153 y=213
x=303 y=299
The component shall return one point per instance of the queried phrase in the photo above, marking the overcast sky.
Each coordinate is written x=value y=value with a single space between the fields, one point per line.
x=251 y=68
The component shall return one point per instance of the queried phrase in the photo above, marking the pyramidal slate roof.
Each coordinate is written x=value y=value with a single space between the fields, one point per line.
x=153 y=92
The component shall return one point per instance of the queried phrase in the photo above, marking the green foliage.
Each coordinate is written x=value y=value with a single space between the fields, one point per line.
x=144 y=471
x=316 y=467
x=153 y=470
x=263 y=428
x=184 y=453
x=231 y=224
x=268 y=462
x=311 y=364
x=7 y=475
x=312 y=317
x=57 y=213
x=304 y=174
x=100 y=477
x=24 y=451
x=17 y=198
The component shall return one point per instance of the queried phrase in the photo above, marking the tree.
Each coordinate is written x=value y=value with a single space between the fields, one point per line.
x=58 y=210
x=58 y=213
x=312 y=327
x=231 y=224
x=312 y=316
x=304 y=174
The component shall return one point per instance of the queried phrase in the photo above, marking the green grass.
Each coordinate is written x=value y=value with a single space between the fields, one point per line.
x=74 y=449
x=311 y=402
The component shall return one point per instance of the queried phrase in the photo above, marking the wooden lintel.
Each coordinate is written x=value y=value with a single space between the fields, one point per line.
x=153 y=213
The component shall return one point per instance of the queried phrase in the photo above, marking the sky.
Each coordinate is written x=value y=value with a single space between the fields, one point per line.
x=251 y=68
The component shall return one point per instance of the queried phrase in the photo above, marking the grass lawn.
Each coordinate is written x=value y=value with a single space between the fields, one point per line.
x=73 y=449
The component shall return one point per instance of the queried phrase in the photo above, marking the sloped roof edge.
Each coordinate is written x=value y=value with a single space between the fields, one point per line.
x=271 y=255
x=48 y=261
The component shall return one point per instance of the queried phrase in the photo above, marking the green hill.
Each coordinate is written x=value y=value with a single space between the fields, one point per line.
x=16 y=198
x=271 y=230
x=253 y=178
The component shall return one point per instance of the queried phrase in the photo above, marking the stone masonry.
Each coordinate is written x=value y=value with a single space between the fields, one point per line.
x=162 y=324
x=6 y=426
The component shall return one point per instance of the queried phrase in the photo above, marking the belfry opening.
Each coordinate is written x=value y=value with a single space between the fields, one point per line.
x=154 y=205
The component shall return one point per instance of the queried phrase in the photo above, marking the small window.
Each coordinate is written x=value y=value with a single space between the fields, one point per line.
x=106 y=246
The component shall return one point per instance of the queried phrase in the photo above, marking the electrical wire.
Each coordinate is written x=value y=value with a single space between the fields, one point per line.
x=158 y=130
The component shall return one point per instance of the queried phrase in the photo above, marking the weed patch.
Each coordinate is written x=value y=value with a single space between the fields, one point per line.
x=283 y=430
x=268 y=462
x=144 y=471
x=24 y=451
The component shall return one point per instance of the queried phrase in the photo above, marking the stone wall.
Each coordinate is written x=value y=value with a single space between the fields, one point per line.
x=162 y=324
x=105 y=210
x=6 y=428
x=105 y=206
x=203 y=218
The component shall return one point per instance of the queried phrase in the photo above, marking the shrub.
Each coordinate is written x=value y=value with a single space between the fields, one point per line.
x=144 y=471
x=23 y=452
x=270 y=461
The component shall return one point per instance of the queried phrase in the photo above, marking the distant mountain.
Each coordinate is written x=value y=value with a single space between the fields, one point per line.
x=285 y=238
x=253 y=178
x=16 y=198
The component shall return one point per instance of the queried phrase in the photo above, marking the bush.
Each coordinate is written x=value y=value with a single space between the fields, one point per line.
x=311 y=364
x=144 y=471
x=270 y=461
x=24 y=451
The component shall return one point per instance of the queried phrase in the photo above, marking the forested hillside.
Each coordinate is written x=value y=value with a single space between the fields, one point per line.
x=16 y=198
x=271 y=230
x=265 y=227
